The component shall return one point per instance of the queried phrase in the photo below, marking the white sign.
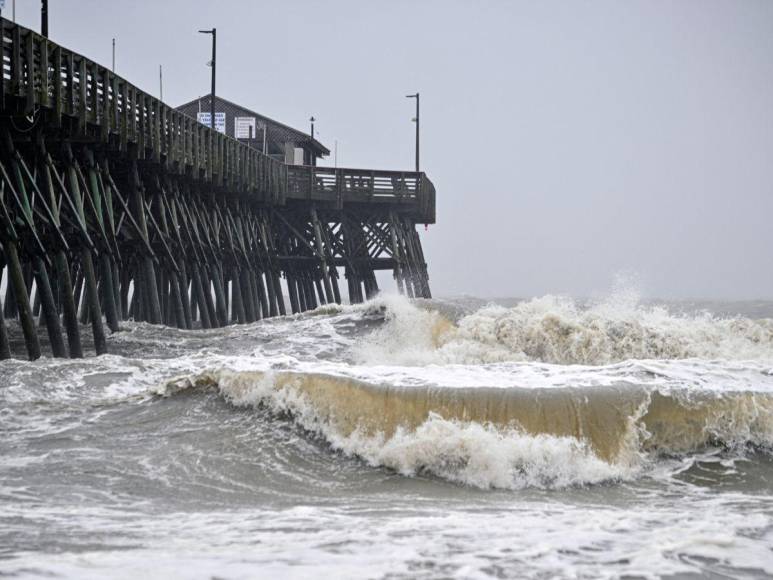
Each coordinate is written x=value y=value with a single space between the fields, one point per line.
x=245 y=127
x=204 y=119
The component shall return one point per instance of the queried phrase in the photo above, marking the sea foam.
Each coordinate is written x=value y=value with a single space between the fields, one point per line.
x=560 y=330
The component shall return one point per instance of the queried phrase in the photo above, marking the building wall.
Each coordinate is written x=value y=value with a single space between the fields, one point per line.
x=277 y=150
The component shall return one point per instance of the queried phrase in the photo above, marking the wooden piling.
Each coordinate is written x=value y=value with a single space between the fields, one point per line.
x=61 y=265
x=5 y=346
x=150 y=287
x=87 y=263
x=68 y=306
x=16 y=279
x=50 y=312
x=106 y=273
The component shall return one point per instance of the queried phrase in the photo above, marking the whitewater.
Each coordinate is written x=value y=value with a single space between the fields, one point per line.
x=456 y=438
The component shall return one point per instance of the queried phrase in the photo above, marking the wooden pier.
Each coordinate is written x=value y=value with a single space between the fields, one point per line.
x=116 y=206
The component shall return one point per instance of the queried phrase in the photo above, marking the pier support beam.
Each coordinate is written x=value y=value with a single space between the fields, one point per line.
x=16 y=279
x=87 y=263
x=5 y=346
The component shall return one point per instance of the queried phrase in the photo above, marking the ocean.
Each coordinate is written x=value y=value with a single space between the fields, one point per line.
x=449 y=438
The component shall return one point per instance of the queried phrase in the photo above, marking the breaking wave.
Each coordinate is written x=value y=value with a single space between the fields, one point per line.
x=500 y=437
x=559 y=330
x=530 y=416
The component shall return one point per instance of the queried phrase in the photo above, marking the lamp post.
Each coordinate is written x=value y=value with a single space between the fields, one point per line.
x=43 y=18
x=312 y=155
x=416 y=120
x=213 y=32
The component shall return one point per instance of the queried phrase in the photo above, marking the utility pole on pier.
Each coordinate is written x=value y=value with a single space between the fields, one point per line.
x=416 y=120
x=312 y=157
x=13 y=13
x=213 y=32
x=44 y=18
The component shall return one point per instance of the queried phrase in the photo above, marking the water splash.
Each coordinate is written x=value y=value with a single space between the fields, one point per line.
x=560 y=330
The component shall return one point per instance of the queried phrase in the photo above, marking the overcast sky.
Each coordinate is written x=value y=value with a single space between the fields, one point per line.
x=568 y=141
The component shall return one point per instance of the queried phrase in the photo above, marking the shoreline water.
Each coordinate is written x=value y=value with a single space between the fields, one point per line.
x=115 y=466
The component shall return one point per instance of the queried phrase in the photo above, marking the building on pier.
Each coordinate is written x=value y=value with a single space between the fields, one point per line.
x=275 y=139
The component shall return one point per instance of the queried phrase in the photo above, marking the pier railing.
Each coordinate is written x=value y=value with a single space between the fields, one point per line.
x=40 y=77
x=341 y=185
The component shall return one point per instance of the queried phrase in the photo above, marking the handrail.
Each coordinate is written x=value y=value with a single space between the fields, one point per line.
x=93 y=102
x=39 y=74
x=339 y=185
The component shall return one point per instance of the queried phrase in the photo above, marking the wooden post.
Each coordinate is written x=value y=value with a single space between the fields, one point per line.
x=117 y=292
x=177 y=303
x=22 y=299
x=60 y=259
x=182 y=281
x=10 y=310
x=217 y=283
x=5 y=347
x=78 y=286
x=320 y=292
x=87 y=264
x=149 y=272
x=311 y=301
x=238 y=299
x=292 y=289
x=206 y=283
x=262 y=297
x=68 y=306
x=248 y=295
x=334 y=281
x=126 y=281
x=198 y=291
x=298 y=281
x=330 y=297
x=193 y=303
x=397 y=256
x=106 y=274
x=51 y=314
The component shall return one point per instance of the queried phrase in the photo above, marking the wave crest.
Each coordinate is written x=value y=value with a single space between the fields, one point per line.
x=500 y=437
x=559 y=330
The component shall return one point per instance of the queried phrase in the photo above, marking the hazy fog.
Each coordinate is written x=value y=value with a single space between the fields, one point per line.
x=568 y=141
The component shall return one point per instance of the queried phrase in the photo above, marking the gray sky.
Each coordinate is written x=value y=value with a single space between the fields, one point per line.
x=568 y=141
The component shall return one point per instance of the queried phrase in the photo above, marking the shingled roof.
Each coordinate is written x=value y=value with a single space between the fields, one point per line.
x=276 y=133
